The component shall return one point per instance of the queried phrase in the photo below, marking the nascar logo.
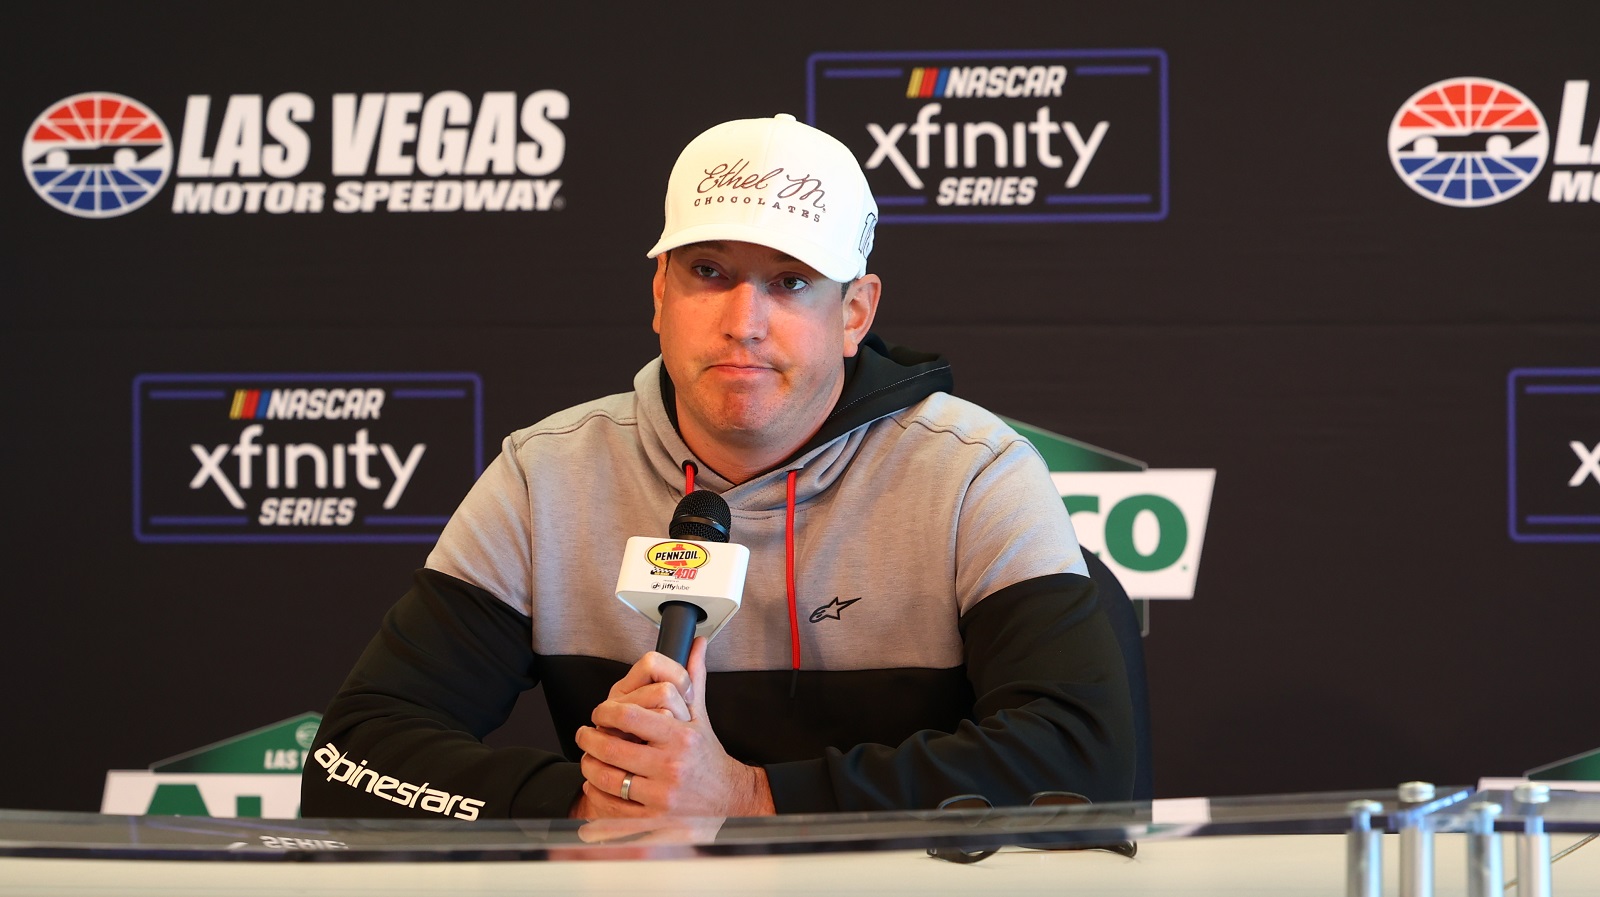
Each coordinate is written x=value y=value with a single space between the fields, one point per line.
x=97 y=155
x=981 y=81
x=1468 y=142
x=306 y=404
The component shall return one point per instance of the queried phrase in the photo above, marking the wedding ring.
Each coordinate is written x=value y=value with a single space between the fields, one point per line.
x=627 y=785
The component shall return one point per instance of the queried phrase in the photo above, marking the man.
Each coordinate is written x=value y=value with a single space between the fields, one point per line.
x=916 y=624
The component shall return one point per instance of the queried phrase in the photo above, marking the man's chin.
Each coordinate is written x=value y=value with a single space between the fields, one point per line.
x=745 y=429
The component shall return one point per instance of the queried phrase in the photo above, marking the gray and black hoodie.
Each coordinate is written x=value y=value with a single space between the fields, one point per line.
x=943 y=638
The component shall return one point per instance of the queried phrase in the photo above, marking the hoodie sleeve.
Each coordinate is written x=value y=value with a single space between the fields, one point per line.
x=1051 y=705
x=404 y=735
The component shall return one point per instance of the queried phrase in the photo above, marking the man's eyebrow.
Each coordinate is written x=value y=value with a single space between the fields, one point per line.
x=722 y=246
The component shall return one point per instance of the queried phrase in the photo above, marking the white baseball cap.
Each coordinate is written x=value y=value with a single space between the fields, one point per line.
x=775 y=182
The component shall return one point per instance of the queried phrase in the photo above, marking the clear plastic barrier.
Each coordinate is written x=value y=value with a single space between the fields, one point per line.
x=1553 y=810
x=40 y=834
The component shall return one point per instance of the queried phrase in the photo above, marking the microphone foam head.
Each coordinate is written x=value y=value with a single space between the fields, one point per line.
x=702 y=516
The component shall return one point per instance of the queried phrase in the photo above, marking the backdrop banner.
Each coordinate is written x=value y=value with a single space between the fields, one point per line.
x=1307 y=289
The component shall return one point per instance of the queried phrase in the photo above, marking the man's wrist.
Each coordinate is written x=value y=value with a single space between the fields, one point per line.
x=760 y=802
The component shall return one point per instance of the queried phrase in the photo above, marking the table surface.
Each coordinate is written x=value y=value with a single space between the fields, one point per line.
x=1289 y=865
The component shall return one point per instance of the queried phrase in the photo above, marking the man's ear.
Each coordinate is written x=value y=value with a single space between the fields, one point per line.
x=860 y=307
x=658 y=285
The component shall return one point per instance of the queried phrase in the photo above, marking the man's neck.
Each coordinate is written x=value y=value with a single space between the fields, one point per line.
x=734 y=462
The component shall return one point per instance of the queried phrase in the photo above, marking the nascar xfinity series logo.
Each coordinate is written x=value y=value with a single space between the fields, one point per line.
x=302 y=457
x=1553 y=454
x=1471 y=141
x=983 y=136
x=97 y=155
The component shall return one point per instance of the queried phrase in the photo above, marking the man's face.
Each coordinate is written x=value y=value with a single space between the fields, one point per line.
x=752 y=339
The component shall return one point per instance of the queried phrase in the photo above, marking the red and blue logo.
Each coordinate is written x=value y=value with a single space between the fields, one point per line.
x=1468 y=142
x=97 y=155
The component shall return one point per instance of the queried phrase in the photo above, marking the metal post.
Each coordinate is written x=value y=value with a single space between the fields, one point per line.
x=1485 y=873
x=1533 y=851
x=1363 y=874
x=1416 y=841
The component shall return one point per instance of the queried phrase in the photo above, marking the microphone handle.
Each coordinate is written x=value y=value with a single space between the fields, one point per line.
x=678 y=620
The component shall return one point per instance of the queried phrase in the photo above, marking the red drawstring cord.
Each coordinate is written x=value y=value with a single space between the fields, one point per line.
x=788 y=563
x=788 y=569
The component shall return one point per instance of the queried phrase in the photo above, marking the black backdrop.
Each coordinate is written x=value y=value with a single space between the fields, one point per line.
x=1334 y=344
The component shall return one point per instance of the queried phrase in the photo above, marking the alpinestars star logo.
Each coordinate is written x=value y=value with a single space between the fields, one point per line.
x=831 y=610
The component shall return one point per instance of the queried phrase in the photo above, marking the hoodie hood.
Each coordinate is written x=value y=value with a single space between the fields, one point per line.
x=880 y=380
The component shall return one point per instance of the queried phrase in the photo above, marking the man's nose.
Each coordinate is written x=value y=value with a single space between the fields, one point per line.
x=744 y=312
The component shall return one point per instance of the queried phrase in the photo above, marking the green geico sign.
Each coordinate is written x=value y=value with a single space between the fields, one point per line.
x=1147 y=525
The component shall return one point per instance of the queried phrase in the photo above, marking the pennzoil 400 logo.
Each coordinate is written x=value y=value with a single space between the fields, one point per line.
x=680 y=560
x=276 y=457
x=102 y=154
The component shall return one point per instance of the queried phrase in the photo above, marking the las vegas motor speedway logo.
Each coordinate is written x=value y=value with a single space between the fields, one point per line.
x=278 y=457
x=100 y=155
x=1470 y=142
x=1001 y=136
x=97 y=155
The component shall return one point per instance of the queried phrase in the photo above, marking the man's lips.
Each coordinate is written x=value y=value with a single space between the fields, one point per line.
x=740 y=366
x=740 y=374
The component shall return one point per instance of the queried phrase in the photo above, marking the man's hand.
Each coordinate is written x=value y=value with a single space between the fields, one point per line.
x=654 y=727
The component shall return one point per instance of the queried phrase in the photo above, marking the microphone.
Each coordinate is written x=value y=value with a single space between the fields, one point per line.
x=690 y=583
x=702 y=515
